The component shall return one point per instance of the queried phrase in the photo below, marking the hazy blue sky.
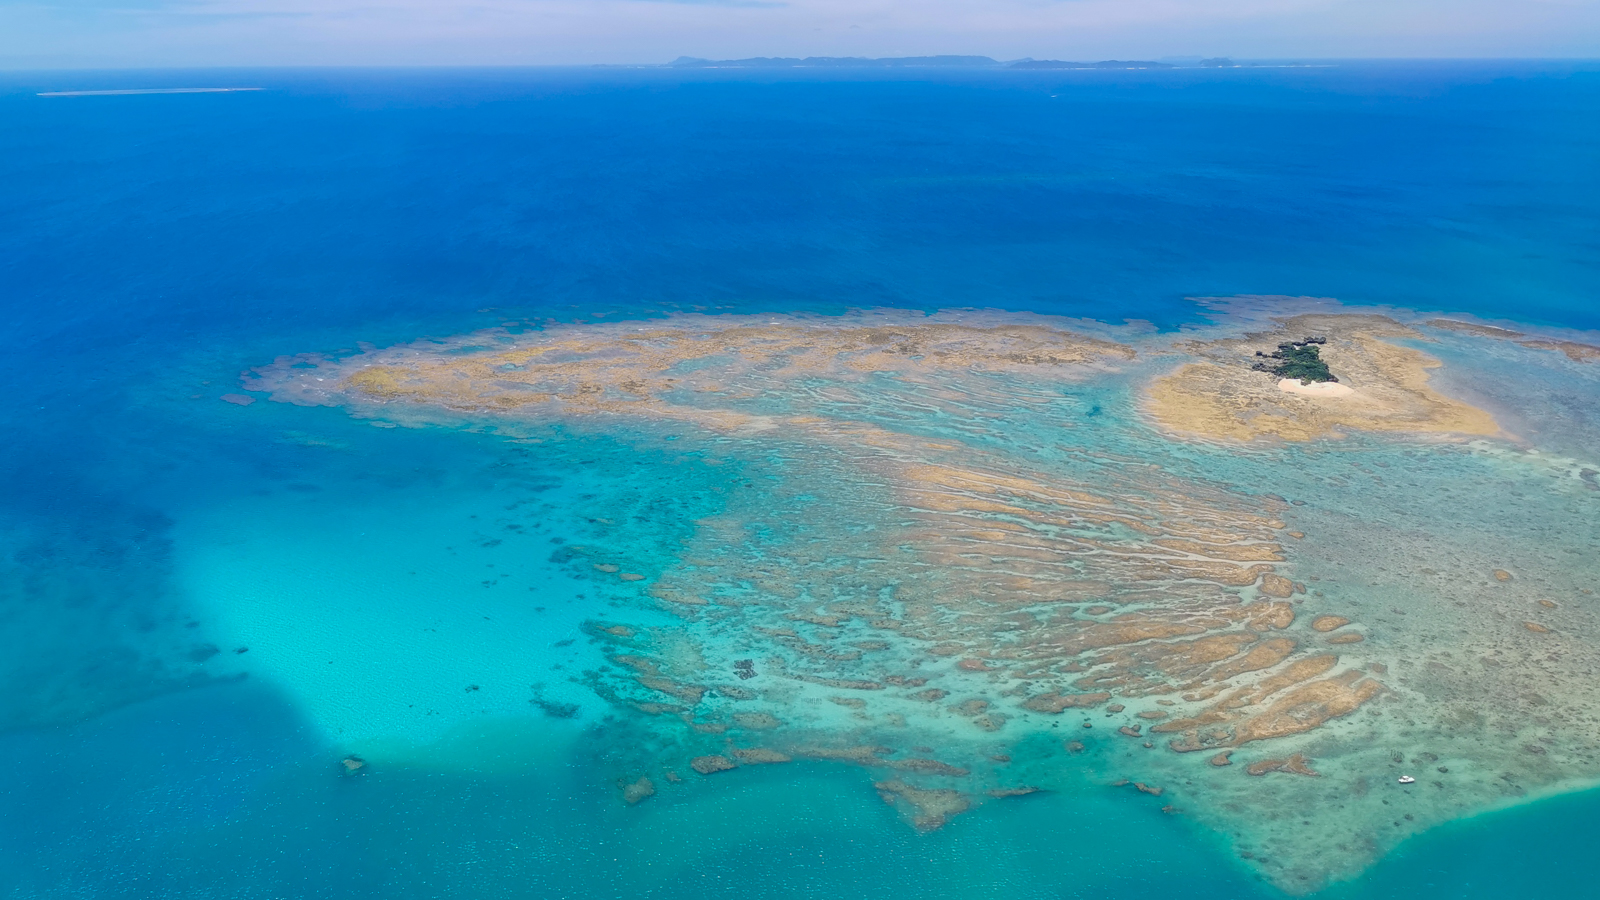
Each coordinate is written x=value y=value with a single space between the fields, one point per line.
x=48 y=33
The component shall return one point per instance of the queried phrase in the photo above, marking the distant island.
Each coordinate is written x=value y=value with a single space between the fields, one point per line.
x=908 y=62
x=1103 y=64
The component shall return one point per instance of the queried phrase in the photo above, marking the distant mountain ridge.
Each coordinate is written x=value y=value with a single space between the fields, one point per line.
x=1103 y=64
x=974 y=62
x=784 y=62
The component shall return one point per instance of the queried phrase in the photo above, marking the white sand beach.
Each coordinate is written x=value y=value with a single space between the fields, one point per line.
x=1317 y=389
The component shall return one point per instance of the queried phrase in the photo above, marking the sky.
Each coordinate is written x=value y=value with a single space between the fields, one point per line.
x=178 y=33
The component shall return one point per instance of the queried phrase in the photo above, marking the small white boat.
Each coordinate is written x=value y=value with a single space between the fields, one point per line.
x=1407 y=779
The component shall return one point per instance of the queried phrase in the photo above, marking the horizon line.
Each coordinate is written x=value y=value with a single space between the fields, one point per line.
x=1243 y=61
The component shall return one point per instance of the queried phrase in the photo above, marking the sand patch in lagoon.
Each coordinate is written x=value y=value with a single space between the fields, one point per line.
x=367 y=609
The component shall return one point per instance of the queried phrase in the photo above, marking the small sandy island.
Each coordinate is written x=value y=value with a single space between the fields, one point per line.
x=1220 y=395
x=1315 y=389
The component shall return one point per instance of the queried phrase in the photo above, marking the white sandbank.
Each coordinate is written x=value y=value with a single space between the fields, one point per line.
x=1316 y=389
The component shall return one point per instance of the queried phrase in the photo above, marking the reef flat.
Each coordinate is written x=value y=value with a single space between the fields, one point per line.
x=1389 y=391
x=982 y=554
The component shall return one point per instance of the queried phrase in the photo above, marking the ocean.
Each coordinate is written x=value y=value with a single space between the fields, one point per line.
x=209 y=598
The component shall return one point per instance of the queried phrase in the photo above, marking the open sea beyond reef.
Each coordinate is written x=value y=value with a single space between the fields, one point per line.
x=210 y=597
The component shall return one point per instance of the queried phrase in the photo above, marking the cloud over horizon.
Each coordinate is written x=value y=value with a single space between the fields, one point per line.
x=134 y=33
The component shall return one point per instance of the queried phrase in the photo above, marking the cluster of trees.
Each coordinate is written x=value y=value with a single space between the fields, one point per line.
x=1297 y=359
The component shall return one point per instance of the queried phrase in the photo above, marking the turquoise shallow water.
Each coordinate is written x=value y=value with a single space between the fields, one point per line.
x=411 y=594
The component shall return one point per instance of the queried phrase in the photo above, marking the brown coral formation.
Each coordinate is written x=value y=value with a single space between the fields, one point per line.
x=621 y=369
x=861 y=756
x=929 y=767
x=1276 y=586
x=760 y=755
x=707 y=765
x=1222 y=397
x=1053 y=703
x=1575 y=351
x=928 y=809
x=1289 y=702
x=636 y=791
x=756 y=720
x=1295 y=763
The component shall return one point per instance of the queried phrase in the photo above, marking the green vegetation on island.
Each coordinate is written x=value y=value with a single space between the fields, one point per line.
x=1297 y=359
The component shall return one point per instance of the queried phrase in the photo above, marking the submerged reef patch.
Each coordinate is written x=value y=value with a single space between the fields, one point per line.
x=931 y=562
x=1577 y=351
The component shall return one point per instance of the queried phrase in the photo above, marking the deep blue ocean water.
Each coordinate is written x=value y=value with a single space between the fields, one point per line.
x=152 y=246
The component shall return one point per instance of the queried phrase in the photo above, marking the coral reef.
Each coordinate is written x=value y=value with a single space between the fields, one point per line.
x=907 y=575
x=1221 y=397
x=636 y=791
x=1295 y=763
x=1574 y=350
x=707 y=765
x=927 y=809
